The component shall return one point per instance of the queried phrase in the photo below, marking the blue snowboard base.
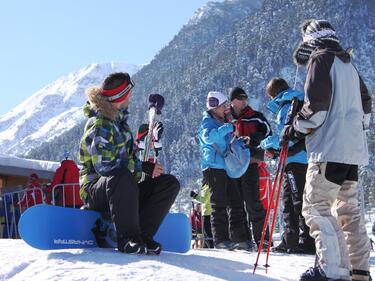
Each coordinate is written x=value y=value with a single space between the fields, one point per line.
x=48 y=227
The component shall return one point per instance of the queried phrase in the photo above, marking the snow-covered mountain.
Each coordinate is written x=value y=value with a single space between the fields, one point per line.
x=53 y=110
x=231 y=9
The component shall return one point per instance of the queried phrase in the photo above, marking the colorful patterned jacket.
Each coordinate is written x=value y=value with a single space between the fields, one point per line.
x=106 y=148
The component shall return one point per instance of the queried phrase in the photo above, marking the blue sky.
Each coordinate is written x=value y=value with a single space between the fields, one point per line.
x=42 y=40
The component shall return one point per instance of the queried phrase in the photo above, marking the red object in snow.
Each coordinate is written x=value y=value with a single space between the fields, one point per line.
x=67 y=173
x=196 y=221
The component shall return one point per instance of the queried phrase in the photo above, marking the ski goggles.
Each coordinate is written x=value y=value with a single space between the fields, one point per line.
x=214 y=102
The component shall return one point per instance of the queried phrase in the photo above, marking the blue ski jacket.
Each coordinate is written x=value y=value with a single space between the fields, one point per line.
x=212 y=131
x=280 y=106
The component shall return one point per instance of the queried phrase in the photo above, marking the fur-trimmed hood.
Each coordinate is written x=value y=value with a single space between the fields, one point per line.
x=99 y=104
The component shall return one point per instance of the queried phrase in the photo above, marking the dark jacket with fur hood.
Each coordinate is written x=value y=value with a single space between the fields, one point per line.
x=106 y=146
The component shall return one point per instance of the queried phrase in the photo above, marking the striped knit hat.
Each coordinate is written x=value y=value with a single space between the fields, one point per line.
x=315 y=33
x=116 y=87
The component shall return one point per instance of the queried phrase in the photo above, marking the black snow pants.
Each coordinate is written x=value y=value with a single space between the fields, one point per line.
x=248 y=185
x=209 y=243
x=226 y=208
x=296 y=232
x=136 y=209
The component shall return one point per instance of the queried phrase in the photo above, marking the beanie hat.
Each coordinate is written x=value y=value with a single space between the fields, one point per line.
x=214 y=99
x=315 y=33
x=121 y=91
x=237 y=93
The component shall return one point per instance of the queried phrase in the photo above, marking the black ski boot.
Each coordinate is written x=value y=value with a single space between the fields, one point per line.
x=132 y=245
x=281 y=248
x=225 y=245
x=244 y=245
x=316 y=274
x=153 y=247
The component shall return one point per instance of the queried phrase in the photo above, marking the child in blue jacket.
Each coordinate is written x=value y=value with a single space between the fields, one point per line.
x=293 y=240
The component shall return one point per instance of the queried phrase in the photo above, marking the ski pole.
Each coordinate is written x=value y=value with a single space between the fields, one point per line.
x=281 y=162
x=265 y=224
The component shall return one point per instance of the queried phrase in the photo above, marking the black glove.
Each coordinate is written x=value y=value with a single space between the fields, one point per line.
x=157 y=131
x=148 y=167
x=193 y=194
x=290 y=134
x=286 y=134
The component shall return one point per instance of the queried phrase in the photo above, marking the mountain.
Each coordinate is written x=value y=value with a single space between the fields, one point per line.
x=249 y=53
x=209 y=23
x=232 y=43
x=53 y=110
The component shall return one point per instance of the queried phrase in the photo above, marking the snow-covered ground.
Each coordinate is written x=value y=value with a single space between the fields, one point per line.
x=21 y=262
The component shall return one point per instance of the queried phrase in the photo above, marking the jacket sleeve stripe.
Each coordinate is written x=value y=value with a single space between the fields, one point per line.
x=261 y=122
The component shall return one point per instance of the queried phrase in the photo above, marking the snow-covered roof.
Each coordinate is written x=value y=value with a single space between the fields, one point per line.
x=12 y=165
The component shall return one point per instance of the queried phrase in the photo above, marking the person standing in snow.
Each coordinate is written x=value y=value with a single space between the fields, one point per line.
x=196 y=226
x=295 y=238
x=334 y=117
x=214 y=135
x=205 y=199
x=111 y=171
x=253 y=125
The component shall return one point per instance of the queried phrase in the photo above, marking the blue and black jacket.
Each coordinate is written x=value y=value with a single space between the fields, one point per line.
x=212 y=131
x=280 y=106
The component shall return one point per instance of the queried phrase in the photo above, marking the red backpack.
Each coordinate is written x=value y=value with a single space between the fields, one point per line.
x=265 y=185
x=68 y=172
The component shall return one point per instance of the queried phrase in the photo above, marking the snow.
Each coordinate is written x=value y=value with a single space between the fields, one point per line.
x=22 y=262
x=27 y=263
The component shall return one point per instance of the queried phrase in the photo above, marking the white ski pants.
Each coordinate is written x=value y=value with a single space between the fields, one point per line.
x=331 y=210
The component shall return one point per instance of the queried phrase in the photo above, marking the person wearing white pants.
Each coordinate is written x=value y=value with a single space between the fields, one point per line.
x=333 y=118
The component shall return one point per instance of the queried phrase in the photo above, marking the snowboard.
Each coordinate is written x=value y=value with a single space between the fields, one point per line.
x=48 y=227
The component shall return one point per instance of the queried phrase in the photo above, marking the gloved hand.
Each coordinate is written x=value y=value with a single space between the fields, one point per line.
x=286 y=134
x=157 y=131
x=290 y=134
x=193 y=194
